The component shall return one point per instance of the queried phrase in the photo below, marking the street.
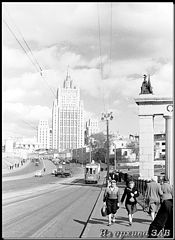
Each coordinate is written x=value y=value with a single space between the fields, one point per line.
x=59 y=208
x=52 y=207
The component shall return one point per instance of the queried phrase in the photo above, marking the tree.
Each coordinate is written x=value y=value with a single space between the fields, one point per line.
x=99 y=139
x=99 y=146
x=134 y=145
x=99 y=155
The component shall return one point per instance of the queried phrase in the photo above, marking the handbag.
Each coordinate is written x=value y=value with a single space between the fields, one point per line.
x=144 y=203
x=104 y=211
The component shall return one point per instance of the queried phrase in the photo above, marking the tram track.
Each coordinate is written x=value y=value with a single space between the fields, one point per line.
x=23 y=216
x=48 y=216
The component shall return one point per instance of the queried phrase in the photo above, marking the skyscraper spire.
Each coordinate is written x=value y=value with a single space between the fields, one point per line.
x=67 y=82
x=68 y=75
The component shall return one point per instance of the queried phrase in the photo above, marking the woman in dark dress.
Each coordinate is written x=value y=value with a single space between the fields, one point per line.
x=130 y=193
x=111 y=198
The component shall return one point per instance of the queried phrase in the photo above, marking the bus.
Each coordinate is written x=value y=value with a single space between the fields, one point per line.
x=92 y=172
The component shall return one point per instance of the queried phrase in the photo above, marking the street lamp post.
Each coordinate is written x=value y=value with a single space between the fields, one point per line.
x=107 y=117
x=115 y=167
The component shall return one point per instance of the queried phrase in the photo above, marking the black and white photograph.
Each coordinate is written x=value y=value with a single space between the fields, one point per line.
x=87 y=120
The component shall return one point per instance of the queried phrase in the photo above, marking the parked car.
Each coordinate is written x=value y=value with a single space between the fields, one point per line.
x=39 y=174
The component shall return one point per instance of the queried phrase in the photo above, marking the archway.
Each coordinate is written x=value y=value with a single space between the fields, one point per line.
x=150 y=106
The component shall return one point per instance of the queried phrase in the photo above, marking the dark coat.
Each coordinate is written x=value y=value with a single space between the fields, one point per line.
x=163 y=219
x=127 y=194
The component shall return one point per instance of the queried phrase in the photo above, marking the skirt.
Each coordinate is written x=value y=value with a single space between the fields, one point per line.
x=131 y=208
x=111 y=206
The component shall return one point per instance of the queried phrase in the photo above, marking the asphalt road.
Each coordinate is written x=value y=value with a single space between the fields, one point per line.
x=48 y=206
x=60 y=210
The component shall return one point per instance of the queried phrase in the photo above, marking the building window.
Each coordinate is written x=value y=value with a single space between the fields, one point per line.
x=125 y=153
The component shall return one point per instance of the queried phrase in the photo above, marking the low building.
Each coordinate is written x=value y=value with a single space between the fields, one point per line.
x=81 y=155
x=125 y=155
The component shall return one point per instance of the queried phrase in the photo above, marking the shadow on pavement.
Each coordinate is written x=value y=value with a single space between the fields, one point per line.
x=78 y=221
x=120 y=220
x=81 y=182
x=98 y=221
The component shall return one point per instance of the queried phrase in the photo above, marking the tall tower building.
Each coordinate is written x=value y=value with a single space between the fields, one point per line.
x=67 y=117
x=92 y=126
x=43 y=134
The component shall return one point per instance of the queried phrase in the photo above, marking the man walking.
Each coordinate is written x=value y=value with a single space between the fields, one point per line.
x=152 y=196
x=166 y=189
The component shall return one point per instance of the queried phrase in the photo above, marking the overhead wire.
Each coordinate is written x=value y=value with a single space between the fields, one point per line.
x=30 y=125
x=34 y=60
x=100 y=56
x=110 y=51
x=19 y=43
x=105 y=104
x=31 y=57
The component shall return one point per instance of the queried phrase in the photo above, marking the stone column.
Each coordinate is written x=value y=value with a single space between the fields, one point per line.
x=169 y=163
x=146 y=146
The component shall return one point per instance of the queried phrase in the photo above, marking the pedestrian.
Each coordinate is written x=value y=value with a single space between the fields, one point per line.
x=112 y=198
x=130 y=193
x=152 y=196
x=114 y=176
x=44 y=169
x=119 y=176
x=125 y=177
x=162 y=225
x=166 y=189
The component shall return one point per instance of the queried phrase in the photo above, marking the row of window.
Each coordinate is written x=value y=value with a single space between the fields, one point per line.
x=157 y=143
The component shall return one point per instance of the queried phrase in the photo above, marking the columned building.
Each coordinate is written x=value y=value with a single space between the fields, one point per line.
x=67 y=118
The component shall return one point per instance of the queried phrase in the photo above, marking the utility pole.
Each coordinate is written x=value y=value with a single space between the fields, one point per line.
x=107 y=117
x=90 y=150
x=115 y=167
x=107 y=125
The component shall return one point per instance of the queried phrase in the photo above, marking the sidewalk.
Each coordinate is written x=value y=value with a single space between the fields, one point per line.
x=97 y=225
x=7 y=170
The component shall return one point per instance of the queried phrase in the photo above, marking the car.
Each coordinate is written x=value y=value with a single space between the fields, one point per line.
x=54 y=171
x=39 y=174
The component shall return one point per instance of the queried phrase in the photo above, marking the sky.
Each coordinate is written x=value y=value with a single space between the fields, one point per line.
x=108 y=47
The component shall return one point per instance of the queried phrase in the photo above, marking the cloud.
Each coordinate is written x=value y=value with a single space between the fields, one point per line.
x=62 y=34
x=13 y=95
x=18 y=111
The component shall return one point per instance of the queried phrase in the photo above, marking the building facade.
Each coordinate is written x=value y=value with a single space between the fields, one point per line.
x=50 y=138
x=92 y=126
x=43 y=134
x=159 y=146
x=67 y=118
